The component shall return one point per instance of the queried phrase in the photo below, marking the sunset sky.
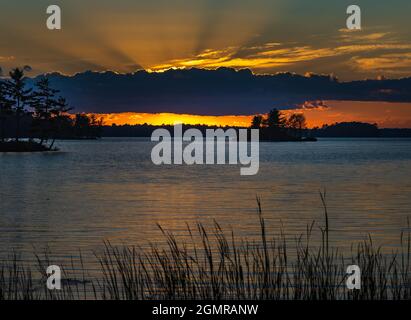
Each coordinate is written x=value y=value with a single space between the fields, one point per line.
x=384 y=114
x=267 y=36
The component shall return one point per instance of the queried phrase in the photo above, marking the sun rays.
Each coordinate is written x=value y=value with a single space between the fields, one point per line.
x=265 y=36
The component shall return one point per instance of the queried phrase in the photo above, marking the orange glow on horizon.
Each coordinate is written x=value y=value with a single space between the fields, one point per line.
x=385 y=114
x=158 y=119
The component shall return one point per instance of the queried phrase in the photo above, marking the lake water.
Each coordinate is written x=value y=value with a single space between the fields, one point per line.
x=109 y=190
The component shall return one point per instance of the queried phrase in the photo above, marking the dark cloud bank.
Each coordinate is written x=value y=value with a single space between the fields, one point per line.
x=214 y=92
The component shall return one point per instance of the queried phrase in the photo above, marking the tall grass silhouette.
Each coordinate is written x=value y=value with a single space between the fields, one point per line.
x=217 y=265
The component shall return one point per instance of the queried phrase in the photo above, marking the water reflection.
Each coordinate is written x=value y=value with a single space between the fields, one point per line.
x=109 y=189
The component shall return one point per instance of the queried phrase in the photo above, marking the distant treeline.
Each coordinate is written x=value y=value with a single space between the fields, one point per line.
x=145 y=130
x=274 y=126
x=358 y=130
x=70 y=126
x=344 y=129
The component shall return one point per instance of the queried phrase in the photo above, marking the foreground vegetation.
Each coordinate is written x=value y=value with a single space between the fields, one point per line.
x=217 y=265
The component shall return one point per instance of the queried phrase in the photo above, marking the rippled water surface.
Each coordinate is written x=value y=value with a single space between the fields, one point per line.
x=109 y=190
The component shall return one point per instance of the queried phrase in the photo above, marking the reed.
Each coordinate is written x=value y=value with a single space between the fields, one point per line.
x=216 y=265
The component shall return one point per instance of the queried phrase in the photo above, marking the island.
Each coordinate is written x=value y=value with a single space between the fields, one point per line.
x=39 y=115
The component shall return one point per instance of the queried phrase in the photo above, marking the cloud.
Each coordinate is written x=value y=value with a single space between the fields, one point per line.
x=309 y=105
x=276 y=55
x=6 y=58
x=394 y=115
x=216 y=92
x=387 y=63
x=254 y=57
x=355 y=35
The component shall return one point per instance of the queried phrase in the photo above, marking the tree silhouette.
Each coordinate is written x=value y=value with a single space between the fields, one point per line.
x=276 y=127
x=20 y=96
x=257 y=122
x=297 y=122
x=275 y=119
x=95 y=126
x=44 y=103
x=5 y=110
x=60 y=120
x=87 y=126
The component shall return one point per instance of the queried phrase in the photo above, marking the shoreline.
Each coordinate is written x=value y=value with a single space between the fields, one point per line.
x=25 y=146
